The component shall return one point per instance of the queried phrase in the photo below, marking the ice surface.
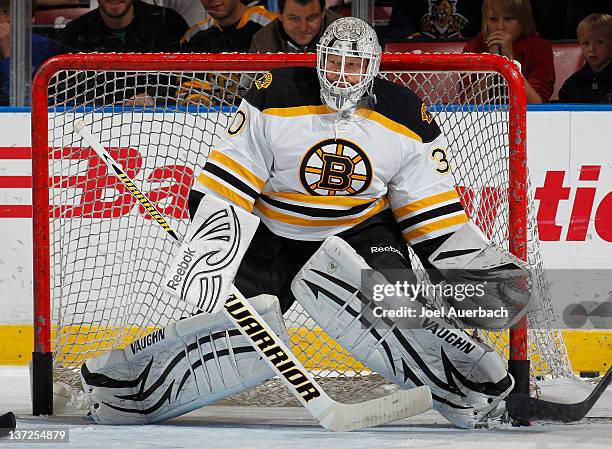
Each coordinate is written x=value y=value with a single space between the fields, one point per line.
x=231 y=427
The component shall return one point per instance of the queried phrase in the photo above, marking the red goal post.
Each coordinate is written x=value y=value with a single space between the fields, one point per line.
x=48 y=120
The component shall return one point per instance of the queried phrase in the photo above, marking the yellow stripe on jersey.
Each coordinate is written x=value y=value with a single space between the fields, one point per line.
x=237 y=168
x=257 y=14
x=299 y=221
x=265 y=16
x=388 y=123
x=432 y=200
x=226 y=192
x=203 y=24
x=435 y=226
x=299 y=111
x=348 y=201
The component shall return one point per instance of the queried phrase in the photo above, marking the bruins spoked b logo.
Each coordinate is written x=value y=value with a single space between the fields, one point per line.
x=335 y=167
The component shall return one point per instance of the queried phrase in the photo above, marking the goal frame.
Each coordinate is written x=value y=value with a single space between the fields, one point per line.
x=42 y=357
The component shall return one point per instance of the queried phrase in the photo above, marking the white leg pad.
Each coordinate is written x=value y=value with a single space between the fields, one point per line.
x=467 y=379
x=177 y=369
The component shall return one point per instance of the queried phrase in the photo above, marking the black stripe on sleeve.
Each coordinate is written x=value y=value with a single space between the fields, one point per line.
x=430 y=214
x=230 y=179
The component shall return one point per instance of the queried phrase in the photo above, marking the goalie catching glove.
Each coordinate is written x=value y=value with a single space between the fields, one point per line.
x=501 y=282
x=204 y=269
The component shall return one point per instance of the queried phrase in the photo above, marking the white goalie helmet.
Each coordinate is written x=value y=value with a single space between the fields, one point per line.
x=348 y=59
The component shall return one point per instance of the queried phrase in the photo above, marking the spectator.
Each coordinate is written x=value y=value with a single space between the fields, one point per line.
x=125 y=26
x=297 y=29
x=558 y=19
x=436 y=19
x=191 y=10
x=592 y=83
x=62 y=2
x=230 y=27
x=508 y=29
x=42 y=49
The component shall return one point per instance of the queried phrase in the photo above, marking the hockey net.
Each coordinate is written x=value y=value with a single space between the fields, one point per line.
x=99 y=257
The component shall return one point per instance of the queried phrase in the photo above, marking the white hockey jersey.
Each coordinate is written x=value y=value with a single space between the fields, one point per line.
x=309 y=175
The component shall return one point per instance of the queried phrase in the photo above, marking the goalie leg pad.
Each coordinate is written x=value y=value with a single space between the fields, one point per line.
x=467 y=379
x=210 y=255
x=177 y=369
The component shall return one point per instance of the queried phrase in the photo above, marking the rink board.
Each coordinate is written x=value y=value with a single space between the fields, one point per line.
x=554 y=146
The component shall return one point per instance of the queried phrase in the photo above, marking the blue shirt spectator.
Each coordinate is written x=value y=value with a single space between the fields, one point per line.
x=42 y=49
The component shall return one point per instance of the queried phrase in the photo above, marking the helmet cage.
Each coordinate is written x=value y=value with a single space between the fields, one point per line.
x=344 y=65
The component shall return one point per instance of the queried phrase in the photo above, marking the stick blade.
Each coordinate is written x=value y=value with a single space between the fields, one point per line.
x=396 y=406
x=522 y=406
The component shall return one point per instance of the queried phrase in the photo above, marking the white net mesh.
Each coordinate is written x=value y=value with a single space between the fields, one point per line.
x=108 y=256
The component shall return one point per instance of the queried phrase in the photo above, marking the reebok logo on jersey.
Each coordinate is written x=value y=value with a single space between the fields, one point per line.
x=384 y=249
x=181 y=269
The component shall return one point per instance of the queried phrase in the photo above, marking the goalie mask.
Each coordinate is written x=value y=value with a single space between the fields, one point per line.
x=348 y=58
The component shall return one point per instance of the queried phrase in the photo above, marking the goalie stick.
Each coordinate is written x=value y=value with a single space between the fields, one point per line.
x=524 y=407
x=329 y=413
x=7 y=423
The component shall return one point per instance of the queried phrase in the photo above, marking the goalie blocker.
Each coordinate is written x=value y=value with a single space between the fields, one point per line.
x=206 y=263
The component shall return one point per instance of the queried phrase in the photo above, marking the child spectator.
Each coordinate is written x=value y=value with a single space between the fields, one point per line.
x=508 y=29
x=593 y=82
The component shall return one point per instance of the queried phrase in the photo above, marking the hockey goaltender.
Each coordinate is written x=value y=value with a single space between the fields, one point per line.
x=316 y=167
